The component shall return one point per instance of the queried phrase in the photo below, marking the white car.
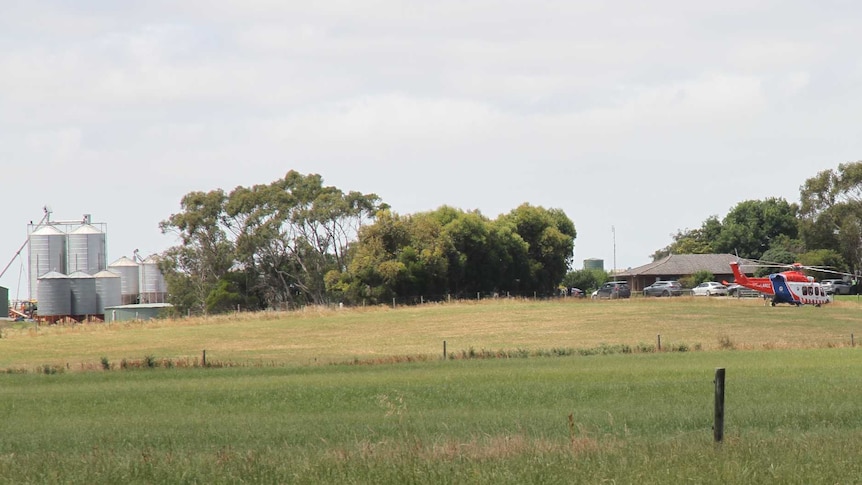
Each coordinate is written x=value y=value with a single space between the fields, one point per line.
x=709 y=288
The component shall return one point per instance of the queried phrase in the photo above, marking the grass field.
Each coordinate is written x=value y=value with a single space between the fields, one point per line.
x=794 y=397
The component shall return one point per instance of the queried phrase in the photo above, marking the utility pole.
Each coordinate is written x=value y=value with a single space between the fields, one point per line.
x=614 y=232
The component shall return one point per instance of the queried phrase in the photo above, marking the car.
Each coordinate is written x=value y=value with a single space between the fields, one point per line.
x=709 y=288
x=836 y=287
x=613 y=290
x=663 y=288
x=575 y=292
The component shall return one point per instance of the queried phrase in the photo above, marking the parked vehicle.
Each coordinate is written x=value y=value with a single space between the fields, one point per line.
x=613 y=290
x=709 y=288
x=836 y=287
x=664 y=288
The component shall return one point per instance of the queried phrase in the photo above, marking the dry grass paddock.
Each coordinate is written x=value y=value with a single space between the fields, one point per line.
x=325 y=335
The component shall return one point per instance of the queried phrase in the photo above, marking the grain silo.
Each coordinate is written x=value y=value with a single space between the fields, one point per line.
x=47 y=251
x=129 y=279
x=86 y=250
x=108 y=290
x=54 y=295
x=83 y=290
x=153 y=286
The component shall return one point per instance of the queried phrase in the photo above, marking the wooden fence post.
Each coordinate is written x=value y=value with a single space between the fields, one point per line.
x=444 y=350
x=204 y=358
x=658 y=343
x=718 y=428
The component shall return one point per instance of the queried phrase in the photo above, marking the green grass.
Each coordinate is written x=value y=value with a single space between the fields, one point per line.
x=793 y=394
x=792 y=417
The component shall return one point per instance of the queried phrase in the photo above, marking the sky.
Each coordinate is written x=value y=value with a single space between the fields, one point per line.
x=637 y=119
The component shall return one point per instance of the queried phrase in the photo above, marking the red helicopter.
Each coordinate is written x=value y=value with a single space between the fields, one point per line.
x=791 y=286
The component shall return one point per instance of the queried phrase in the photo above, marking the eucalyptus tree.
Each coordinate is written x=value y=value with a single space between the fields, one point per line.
x=193 y=268
x=293 y=231
x=831 y=212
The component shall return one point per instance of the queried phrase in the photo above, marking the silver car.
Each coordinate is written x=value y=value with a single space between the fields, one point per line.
x=709 y=288
x=664 y=288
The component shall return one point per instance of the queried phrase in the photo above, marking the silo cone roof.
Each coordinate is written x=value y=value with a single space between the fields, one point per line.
x=86 y=229
x=106 y=274
x=53 y=275
x=123 y=261
x=152 y=259
x=80 y=274
x=47 y=231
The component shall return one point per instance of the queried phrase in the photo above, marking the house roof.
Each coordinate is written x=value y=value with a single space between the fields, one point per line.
x=686 y=264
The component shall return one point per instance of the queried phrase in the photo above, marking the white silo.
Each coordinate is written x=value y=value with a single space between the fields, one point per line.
x=54 y=295
x=108 y=290
x=47 y=252
x=130 y=284
x=153 y=286
x=83 y=290
x=86 y=250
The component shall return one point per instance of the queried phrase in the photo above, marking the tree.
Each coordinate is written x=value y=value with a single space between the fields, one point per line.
x=193 y=269
x=692 y=241
x=752 y=226
x=831 y=212
x=262 y=245
x=449 y=251
x=293 y=231
x=585 y=279
x=550 y=238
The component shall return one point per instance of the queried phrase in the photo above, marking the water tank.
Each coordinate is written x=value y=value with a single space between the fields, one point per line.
x=86 y=250
x=47 y=251
x=153 y=286
x=129 y=279
x=108 y=290
x=594 y=263
x=83 y=289
x=54 y=295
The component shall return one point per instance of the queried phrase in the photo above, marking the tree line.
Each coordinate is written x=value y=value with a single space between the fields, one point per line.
x=823 y=229
x=295 y=242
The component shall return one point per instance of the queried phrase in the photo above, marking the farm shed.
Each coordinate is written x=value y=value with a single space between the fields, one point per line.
x=4 y=300
x=126 y=313
x=677 y=266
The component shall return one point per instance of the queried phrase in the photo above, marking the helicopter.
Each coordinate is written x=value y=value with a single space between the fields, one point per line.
x=791 y=286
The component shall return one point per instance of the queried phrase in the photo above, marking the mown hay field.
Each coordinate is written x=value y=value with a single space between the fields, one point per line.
x=319 y=335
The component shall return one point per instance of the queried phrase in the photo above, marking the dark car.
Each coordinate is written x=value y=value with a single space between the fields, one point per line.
x=664 y=288
x=613 y=290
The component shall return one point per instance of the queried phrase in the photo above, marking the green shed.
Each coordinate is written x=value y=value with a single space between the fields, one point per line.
x=4 y=300
x=128 y=313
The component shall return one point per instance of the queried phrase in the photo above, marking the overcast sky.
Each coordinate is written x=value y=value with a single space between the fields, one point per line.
x=647 y=117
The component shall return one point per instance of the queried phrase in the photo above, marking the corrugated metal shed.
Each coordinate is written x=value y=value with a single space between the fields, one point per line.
x=127 y=313
x=4 y=300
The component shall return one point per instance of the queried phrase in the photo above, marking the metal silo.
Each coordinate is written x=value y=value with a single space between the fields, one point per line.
x=130 y=284
x=108 y=290
x=83 y=289
x=86 y=250
x=54 y=294
x=153 y=286
x=47 y=251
